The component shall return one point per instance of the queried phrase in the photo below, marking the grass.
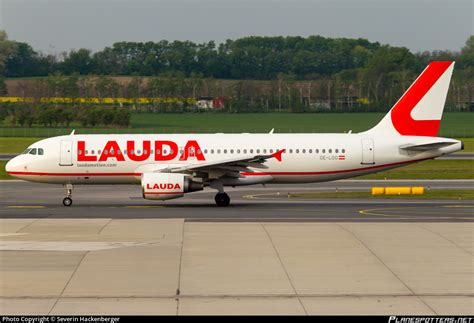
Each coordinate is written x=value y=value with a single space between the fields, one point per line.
x=464 y=194
x=15 y=145
x=431 y=169
x=468 y=145
x=453 y=124
x=3 y=174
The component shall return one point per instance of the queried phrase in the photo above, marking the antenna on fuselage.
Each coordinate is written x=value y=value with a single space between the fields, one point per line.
x=271 y=131
x=72 y=132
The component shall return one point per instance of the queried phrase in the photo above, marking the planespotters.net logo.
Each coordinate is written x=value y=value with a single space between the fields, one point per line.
x=412 y=319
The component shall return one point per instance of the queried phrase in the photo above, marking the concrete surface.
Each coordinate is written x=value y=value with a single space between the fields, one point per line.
x=170 y=266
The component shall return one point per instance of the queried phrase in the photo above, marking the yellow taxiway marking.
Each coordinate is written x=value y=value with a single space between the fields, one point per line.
x=26 y=206
x=145 y=206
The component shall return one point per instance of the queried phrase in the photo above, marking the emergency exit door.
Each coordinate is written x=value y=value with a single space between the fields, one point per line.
x=65 y=154
x=368 y=152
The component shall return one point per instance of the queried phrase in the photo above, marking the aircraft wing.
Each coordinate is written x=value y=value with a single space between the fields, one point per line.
x=230 y=167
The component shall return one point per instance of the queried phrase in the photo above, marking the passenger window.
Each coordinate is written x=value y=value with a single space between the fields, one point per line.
x=138 y=152
x=124 y=152
x=33 y=151
x=324 y=151
x=79 y=152
x=310 y=151
x=158 y=151
x=212 y=151
x=98 y=152
x=336 y=151
x=316 y=151
x=264 y=151
x=258 y=151
x=245 y=151
x=343 y=151
x=304 y=151
x=238 y=151
x=225 y=151
x=251 y=151
x=291 y=151
x=297 y=151
x=218 y=151
x=330 y=150
x=232 y=151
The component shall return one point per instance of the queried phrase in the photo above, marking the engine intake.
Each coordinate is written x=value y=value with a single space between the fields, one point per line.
x=167 y=186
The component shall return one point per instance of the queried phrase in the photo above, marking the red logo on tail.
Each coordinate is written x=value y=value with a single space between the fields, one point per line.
x=401 y=112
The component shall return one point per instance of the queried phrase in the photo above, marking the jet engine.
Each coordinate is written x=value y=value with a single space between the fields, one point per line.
x=167 y=186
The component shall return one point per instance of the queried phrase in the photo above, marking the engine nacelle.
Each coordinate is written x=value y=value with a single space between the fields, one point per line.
x=167 y=186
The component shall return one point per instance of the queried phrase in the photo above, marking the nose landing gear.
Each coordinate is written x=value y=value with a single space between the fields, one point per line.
x=222 y=199
x=67 y=201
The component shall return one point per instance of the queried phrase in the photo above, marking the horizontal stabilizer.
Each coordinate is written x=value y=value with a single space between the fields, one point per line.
x=427 y=146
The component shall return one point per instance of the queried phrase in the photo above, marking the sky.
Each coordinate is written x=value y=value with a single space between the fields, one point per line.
x=54 y=26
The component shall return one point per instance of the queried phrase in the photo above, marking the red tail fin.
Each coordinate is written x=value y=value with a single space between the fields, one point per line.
x=418 y=112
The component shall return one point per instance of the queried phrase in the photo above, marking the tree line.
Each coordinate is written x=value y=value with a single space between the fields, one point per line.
x=261 y=58
x=298 y=73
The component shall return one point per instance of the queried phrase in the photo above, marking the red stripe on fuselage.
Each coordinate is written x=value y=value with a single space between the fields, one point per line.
x=243 y=173
x=333 y=171
x=73 y=174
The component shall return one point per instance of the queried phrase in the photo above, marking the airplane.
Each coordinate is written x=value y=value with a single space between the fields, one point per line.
x=169 y=166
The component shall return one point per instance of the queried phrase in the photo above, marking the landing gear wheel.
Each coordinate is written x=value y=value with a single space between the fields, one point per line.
x=67 y=201
x=222 y=199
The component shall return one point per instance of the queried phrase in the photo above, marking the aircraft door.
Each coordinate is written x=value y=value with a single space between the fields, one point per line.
x=65 y=153
x=368 y=152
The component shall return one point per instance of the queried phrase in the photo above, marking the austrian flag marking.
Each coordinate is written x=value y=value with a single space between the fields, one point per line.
x=342 y=157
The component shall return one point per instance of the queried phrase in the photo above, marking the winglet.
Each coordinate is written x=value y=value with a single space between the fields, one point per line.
x=277 y=155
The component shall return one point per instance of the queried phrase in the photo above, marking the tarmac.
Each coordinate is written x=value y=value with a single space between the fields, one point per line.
x=115 y=253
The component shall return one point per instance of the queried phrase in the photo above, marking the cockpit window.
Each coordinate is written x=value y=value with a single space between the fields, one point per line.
x=33 y=151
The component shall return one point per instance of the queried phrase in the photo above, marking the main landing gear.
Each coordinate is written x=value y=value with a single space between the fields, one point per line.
x=67 y=201
x=222 y=199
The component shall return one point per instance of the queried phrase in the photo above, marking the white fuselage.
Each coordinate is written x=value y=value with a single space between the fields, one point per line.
x=81 y=159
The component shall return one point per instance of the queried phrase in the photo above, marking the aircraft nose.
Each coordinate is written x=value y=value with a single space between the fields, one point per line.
x=12 y=166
